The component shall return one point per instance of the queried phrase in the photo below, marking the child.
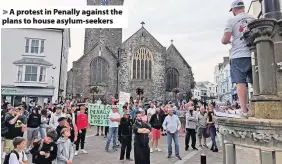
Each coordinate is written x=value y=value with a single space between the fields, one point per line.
x=17 y=155
x=65 y=149
x=82 y=124
x=45 y=150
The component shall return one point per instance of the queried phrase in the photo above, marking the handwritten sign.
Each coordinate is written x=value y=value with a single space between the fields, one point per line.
x=124 y=97
x=98 y=114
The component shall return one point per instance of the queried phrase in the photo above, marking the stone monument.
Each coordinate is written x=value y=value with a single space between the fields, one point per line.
x=258 y=140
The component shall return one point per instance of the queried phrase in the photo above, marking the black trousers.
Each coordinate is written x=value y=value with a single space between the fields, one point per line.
x=125 y=144
x=190 y=133
x=141 y=154
x=106 y=130
x=80 y=140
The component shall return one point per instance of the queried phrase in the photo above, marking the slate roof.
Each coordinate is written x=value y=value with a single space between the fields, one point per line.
x=38 y=61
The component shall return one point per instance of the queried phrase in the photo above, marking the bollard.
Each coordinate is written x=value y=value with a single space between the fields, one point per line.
x=203 y=159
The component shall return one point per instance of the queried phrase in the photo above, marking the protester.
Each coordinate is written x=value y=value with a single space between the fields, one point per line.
x=202 y=129
x=54 y=117
x=125 y=131
x=144 y=116
x=114 y=119
x=211 y=128
x=240 y=63
x=65 y=150
x=182 y=118
x=156 y=124
x=82 y=125
x=151 y=111
x=73 y=128
x=61 y=126
x=191 y=124
x=18 y=156
x=172 y=125
x=44 y=123
x=45 y=150
x=141 y=131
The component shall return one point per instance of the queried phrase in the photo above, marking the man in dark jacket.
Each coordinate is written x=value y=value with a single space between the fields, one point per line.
x=156 y=124
x=125 y=130
x=45 y=151
x=141 y=141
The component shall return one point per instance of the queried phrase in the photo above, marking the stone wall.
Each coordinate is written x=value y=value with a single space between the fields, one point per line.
x=175 y=60
x=154 y=88
x=69 y=83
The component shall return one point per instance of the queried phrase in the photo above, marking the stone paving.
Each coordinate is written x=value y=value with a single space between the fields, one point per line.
x=95 y=145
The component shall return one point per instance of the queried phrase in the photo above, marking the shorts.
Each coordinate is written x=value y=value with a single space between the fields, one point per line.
x=156 y=133
x=9 y=145
x=32 y=133
x=241 y=70
x=202 y=132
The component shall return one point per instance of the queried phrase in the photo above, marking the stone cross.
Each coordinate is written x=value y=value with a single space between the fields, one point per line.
x=171 y=41
x=142 y=23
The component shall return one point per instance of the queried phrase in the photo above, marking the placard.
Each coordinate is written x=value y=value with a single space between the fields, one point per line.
x=124 y=97
x=98 y=114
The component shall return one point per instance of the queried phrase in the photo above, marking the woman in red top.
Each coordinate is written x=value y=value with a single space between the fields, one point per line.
x=82 y=125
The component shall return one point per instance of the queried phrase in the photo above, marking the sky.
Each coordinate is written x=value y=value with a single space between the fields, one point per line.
x=196 y=26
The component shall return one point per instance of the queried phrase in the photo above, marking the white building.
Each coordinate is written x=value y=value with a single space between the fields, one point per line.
x=34 y=64
x=204 y=91
x=222 y=78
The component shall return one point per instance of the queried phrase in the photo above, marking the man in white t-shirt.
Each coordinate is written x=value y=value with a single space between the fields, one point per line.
x=240 y=63
x=114 y=119
x=151 y=111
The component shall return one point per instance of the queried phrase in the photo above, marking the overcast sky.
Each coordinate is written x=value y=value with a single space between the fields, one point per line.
x=196 y=26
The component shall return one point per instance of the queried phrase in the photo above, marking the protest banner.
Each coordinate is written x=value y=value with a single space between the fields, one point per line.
x=124 y=97
x=98 y=114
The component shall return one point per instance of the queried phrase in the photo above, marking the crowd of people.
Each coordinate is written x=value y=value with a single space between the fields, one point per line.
x=55 y=133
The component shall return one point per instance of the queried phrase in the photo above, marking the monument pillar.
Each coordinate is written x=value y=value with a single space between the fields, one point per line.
x=258 y=140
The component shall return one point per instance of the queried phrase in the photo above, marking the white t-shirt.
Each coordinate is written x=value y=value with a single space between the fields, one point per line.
x=14 y=160
x=238 y=25
x=113 y=124
x=150 y=112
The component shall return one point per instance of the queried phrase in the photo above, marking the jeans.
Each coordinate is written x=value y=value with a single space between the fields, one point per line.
x=113 y=131
x=212 y=131
x=42 y=132
x=190 y=133
x=173 y=136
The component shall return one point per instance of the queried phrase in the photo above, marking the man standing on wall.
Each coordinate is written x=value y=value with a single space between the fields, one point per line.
x=240 y=64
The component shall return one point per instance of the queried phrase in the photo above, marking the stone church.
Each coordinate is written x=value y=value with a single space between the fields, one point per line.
x=138 y=62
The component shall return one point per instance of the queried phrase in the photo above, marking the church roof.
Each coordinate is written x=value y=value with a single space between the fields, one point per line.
x=175 y=49
x=94 y=46
x=143 y=29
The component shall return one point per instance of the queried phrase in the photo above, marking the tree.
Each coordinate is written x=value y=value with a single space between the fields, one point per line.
x=93 y=90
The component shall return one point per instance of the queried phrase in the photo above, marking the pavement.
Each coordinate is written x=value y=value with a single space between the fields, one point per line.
x=95 y=145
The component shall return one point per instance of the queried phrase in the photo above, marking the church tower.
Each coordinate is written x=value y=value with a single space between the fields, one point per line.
x=112 y=38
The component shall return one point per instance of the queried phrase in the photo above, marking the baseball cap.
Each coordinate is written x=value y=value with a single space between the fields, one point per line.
x=236 y=4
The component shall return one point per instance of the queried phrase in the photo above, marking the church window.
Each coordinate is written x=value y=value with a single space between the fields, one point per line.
x=99 y=71
x=172 y=79
x=142 y=64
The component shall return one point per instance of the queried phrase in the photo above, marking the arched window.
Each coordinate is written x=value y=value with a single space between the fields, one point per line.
x=99 y=71
x=142 y=64
x=172 y=79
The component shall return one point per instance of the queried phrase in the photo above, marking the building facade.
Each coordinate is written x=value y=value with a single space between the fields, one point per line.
x=34 y=64
x=205 y=91
x=138 y=62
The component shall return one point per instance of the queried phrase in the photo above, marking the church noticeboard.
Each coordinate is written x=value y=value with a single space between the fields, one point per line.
x=98 y=114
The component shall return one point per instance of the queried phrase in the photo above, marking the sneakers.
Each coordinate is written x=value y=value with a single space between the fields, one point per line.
x=194 y=148
x=83 y=151
x=97 y=134
x=129 y=159
x=206 y=146
x=151 y=150
x=244 y=115
x=186 y=148
x=200 y=146
x=121 y=161
x=215 y=150
x=178 y=157
x=76 y=153
x=169 y=156
x=158 y=149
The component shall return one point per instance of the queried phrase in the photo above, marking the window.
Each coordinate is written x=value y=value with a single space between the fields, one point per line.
x=30 y=73
x=42 y=76
x=142 y=64
x=99 y=71
x=20 y=73
x=34 y=46
x=172 y=79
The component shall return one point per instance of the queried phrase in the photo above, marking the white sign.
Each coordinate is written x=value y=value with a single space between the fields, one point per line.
x=65 y=17
x=124 y=97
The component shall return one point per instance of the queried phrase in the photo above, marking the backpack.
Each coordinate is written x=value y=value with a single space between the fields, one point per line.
x=7 y=157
